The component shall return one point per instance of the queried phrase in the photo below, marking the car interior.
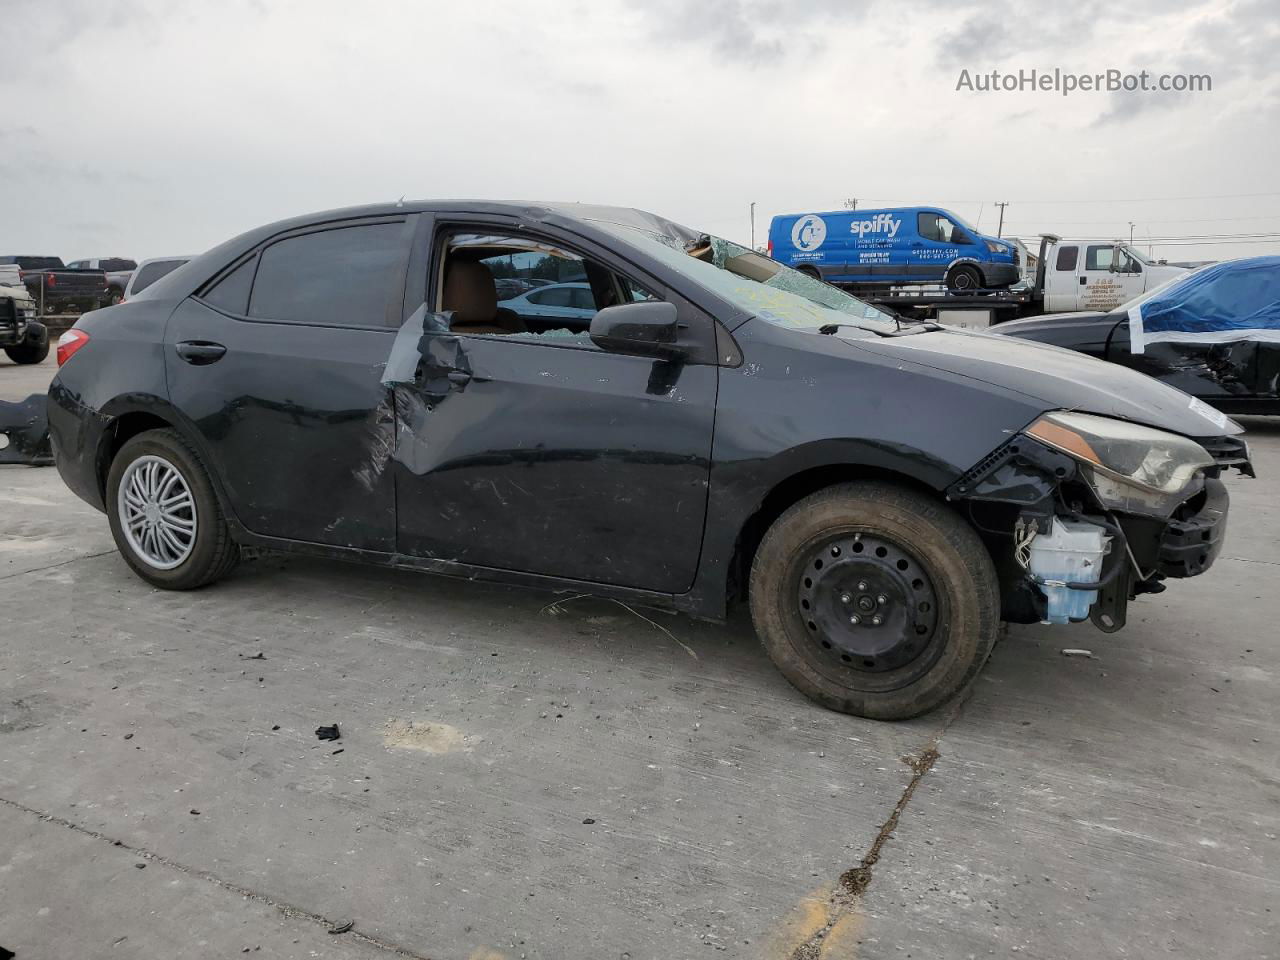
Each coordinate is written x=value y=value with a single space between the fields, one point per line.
x=526 y=286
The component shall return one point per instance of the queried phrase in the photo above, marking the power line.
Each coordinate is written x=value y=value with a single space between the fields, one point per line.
x=1214 y=196
x=1268 y=216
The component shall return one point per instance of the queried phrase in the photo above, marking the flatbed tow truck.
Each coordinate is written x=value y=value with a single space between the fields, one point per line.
x=1070 y=275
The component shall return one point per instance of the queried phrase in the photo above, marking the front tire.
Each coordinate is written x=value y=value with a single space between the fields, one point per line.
x=29 y=351
x=875 y=600
x=964 y=279
x=164 y=516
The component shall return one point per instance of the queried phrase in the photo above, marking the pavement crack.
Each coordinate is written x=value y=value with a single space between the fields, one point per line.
x=853 y=883
x=285 y=909
x=54 y=566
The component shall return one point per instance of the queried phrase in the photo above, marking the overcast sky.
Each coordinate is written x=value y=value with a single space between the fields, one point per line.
x=154 y=127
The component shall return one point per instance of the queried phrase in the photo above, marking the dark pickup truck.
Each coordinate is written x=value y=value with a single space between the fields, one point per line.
x=55 y=286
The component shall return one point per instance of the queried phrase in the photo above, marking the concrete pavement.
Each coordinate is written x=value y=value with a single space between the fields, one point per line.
x=520 y=778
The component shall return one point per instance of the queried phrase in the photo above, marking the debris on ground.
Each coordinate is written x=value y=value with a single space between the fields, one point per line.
x=195 y=812
x=589 y=820
x=1078 y=652
x=342 y=927
x=24 y=435
x=328 y=733
x=257 y=656
x=6 y=954
x=556 y=608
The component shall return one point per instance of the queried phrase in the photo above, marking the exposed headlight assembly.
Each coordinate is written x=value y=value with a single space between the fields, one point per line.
x=1131 y=468
x=997 y=247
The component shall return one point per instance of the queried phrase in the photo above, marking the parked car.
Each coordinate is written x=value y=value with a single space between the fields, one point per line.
x=54 y=286
x=570 y=301
x=1224 y=345
x=22 y=337
x=149 y=271
x=345 y=385
x=893 y=246
x=117 y=269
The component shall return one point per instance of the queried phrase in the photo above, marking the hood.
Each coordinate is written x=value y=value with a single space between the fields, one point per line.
x=1060 y=379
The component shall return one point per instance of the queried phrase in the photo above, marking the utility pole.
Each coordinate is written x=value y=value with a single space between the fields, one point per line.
x=1000 y=229
x=852 y=203
x=753 y=225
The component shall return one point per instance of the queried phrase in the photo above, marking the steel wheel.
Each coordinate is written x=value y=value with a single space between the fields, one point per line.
x=157 y=512
x=869 y=604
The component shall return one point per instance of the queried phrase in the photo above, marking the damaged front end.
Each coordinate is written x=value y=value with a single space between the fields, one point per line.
x=1083 y=513
x=24 y=432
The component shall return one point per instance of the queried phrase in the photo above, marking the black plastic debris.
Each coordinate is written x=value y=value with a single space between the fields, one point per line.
x=589 y=820
x=342 y=927
x=25 y=431
x=257 y=656
x=328 y=733
x=6 y=954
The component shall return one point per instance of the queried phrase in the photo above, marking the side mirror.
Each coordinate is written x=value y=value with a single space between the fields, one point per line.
x=649 y=328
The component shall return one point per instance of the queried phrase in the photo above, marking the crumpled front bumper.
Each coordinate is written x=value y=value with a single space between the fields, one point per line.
x=1191 y=543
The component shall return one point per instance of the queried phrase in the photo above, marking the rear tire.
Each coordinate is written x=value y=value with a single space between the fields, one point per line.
x=869 y=551
x=170 y=540
x=964 y=279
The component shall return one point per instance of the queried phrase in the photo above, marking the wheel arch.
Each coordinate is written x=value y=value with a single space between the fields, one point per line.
x=959 y=262
x=126 y=418
x=793 y=488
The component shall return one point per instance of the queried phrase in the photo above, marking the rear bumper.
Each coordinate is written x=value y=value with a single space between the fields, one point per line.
x=1191 y=544
x=75 y=437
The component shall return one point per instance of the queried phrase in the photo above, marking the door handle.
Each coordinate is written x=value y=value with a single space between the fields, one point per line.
x=200 y=352
x=459 y=378
x=1083 y=281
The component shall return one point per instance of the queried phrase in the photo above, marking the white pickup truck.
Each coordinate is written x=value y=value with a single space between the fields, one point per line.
x=1097 y=275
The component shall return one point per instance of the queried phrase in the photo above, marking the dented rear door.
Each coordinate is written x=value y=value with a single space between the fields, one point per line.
x=278 y=363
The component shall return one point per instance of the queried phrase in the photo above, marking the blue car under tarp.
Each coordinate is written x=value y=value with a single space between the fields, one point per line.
x=1221 y=303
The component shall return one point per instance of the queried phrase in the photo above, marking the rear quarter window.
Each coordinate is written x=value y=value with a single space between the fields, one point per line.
x=1067 y=257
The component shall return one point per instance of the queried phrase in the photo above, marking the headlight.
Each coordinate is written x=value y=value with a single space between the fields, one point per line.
x=996 y=247
x=1131 y=468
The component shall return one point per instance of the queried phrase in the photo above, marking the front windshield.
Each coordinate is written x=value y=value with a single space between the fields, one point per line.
x=761 y=286
x=1144 y=297
x=1136 y=254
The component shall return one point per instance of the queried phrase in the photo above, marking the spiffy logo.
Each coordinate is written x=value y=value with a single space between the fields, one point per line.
x=880 y=223
x=809 y=232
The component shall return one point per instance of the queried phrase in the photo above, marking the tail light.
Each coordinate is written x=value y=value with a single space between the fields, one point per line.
x=50 y=280
x=769 y=249
x=69 y=343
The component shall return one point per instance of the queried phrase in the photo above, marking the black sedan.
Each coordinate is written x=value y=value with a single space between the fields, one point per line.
x=1238 y=372
x=347 y=385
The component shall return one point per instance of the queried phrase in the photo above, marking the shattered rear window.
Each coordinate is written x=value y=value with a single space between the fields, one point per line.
x=754 y=282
